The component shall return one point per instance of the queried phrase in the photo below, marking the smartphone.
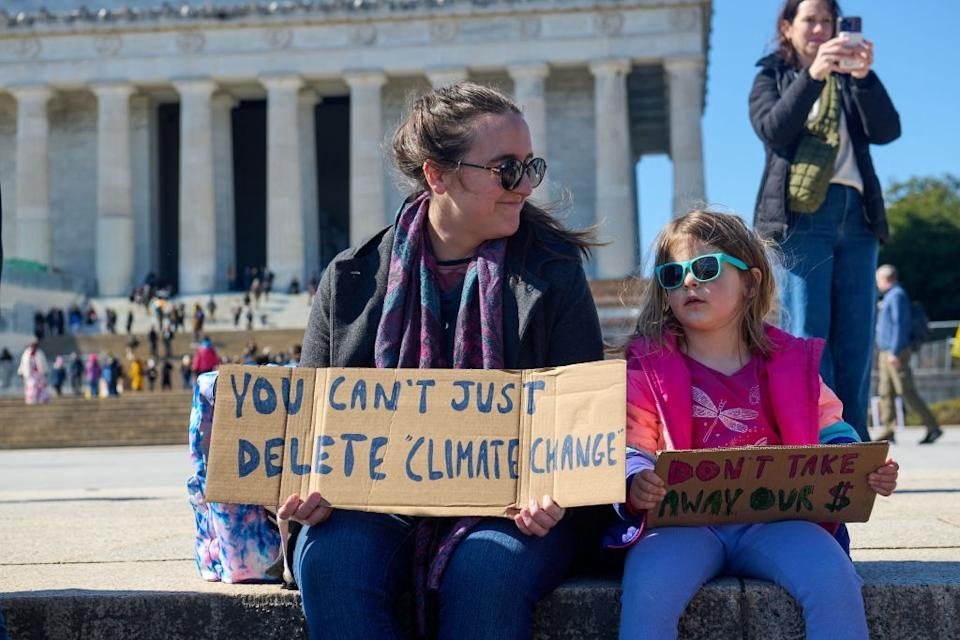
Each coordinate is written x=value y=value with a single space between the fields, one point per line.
x=851 y=29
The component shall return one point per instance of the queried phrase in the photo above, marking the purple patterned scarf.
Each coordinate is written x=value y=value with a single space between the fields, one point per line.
x=410 y=334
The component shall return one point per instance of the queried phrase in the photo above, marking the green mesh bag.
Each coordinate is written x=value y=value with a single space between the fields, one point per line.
x=813 y=162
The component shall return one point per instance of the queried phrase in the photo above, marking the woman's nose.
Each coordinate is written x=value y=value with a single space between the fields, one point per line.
x=689 y=280
x=525 y=188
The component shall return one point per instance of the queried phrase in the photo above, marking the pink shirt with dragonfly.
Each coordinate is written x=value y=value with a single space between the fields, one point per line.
x=731 y=410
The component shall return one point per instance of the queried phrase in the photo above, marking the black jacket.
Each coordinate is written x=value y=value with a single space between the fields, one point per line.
x=780 y=101
x=549 y=315
x=549 y=319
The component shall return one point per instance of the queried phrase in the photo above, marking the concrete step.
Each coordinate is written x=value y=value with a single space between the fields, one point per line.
x=131 y=419
x=99 y=440
x=582 y=608
x=103 y=549
x=134 y=398
x=139 y=402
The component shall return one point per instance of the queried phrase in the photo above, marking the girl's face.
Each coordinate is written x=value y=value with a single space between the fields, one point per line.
x=811 y=27
x=474 y=205
x=707 y=306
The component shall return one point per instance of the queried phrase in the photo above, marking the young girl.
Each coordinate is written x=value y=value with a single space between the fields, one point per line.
x=702 y=343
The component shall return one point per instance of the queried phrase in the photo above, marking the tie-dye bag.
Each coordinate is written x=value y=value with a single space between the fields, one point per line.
x=235 y=542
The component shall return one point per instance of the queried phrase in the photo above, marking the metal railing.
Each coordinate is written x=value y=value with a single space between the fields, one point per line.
x=935 y=354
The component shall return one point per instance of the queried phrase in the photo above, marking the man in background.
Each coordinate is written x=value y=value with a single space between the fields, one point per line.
x=893 y=360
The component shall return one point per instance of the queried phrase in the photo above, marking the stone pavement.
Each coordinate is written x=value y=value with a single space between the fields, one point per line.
x=96 y=543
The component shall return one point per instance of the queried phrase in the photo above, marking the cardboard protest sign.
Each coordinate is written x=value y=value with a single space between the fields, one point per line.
x=438 y=442
x=822 y=483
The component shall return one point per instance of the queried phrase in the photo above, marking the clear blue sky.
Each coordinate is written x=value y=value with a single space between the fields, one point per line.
x=916 y=55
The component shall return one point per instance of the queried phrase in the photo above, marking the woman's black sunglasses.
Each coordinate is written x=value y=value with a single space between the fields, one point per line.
x=511 y=171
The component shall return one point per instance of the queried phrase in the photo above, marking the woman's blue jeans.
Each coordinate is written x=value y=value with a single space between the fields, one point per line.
x=351 y=569
x=828 y=290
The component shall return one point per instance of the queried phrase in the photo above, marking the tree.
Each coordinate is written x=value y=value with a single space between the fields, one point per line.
x=924 y=245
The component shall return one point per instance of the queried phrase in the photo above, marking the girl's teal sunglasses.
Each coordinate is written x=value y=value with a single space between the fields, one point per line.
x=704 y=268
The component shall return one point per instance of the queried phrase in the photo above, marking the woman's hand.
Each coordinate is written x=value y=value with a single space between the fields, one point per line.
x=311 y=511
x=884 y=479
x=537 y=519
x=864 y=55
x=646 y=491
x=829 y=56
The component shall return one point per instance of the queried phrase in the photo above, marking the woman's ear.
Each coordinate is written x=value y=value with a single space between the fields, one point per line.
x=435 y=177
x=785 y=29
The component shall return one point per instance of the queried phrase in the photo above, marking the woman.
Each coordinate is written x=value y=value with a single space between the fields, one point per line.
x=92 y=373
x=6 y=368
x=817 y=106
x=136 y=372
x=34 y=369
x=75 y=371
x=470 y=275
x=58 y=375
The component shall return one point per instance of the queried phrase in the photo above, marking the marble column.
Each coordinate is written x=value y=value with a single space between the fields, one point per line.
x=198 y=242
x=285 y=246
x=226 y=236
x=445 y=76
x=685 y=81
x=616 y=211
x=115 y=233
x=367 y=214
x=144 y=178
x=307 y=118
x=34 y=232
x=528 y=91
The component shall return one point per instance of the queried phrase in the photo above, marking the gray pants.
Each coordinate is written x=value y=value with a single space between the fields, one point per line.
x=898 y=381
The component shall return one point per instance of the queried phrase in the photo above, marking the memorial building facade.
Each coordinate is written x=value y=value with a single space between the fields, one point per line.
x=194 y=140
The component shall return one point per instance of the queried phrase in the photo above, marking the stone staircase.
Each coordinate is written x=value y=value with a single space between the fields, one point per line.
x=142 y=418
x=616 y=303
x=282 y=310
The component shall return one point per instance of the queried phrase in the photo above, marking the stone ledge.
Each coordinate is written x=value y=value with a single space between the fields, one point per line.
x=909 y=605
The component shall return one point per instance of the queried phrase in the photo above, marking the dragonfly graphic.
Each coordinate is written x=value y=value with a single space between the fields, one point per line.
x=704 y=407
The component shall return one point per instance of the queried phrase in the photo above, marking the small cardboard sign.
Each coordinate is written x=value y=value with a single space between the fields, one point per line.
x=428 y=442
x=822 y=483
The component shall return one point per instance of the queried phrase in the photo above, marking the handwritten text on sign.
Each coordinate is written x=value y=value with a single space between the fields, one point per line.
x=761 y=484
x=430 y=442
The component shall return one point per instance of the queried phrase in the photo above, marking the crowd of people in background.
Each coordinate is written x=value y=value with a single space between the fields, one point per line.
x=109 y=374
x=56 y=321
x=104 y=375
x=83 y=317
x=156 y=299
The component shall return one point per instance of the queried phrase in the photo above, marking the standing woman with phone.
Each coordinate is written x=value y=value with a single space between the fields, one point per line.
x=817 y=105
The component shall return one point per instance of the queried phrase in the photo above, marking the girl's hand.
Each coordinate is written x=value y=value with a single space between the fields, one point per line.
x=884 y=479
x=646 y=491
x=828 y=58
x=537 y=519
x=311 y=511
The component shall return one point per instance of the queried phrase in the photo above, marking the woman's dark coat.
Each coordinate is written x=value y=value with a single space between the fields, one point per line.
x=780 y=101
